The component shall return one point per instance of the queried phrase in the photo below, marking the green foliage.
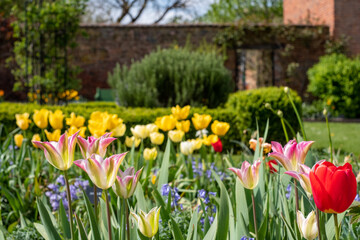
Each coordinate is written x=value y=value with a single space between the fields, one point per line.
x=336 y=80
x=245 y=11
x=250 y=106
x=173 y=76
x=25 y=233
x=41 y=49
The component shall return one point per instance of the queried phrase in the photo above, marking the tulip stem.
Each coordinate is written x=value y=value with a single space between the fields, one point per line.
x=329 y=132
x=108 y=213
x=284 y=128
x=127 y=219
x=254 y=214
x=296 y=196
x=318 y=222
x=69 y=204
x=337 y=233
x=298 y=116
x=95 y=201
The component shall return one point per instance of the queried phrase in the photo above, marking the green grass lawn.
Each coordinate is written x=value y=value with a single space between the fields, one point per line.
x=345 y=136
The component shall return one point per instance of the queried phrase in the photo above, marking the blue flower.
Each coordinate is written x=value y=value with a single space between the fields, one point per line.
x=288 y=191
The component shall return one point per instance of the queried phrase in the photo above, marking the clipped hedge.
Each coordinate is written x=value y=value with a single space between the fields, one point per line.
x=250 y=105
x=131 y=116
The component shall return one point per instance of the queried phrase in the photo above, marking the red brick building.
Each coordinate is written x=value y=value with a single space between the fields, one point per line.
x=342 y=17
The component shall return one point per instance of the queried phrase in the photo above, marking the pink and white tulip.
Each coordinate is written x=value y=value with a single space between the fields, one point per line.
x=126 y=182
x=303 y=177
x=248 y=174
x=102 y=172
x=291 y=155
x=60 y=154
x=95 y=145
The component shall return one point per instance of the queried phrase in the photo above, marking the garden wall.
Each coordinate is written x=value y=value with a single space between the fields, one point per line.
x=100 y=47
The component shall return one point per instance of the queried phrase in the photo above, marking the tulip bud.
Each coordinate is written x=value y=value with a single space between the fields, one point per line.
x=150 y=154
x=280 y=113
x=248 y=174
x=130 y=141
x=268 y=105
x=148 y=224
x=325 y=112
x=56 y=119
x=218 y=147
x=41 y=118
x=307 y=226
x=22 y=120
x=286 y=90
x=126 y=182
x=156 y=138
x=18 y=139
x=187 y=147
x=140 y=131
x=36 y=137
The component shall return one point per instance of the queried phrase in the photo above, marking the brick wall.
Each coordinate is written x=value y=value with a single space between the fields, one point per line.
x=342 y=17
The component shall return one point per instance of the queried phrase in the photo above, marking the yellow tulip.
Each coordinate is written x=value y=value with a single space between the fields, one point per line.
x=56 y=119
x=119 y=131
x=129 y=141
x=176 y=135
x=148 y=224
x=76 y=121
x=180 y=113
x=140 y=131
x=156 y=138
x=166 y=123
x=72 y=130
x=18 y=139
x=98 y=116
x=54 y=136
x=197 y=143
x=112 y=121
x=183 y=126
x=151 y=127
x=208 y=140
x=220 y=128
x=201 y=121
x=41 y=118
x=97 y=129
x=22 y=120
x=36 y=137
x=150 y=154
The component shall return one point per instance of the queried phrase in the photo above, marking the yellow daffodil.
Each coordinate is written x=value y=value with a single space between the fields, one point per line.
x=129 y=141
x=72 y=130
x=201 y=121
x=76 y=121
x=150 y=154
x=54 y=136
x=208 y=140
x=220 y=128
x=176 y=135
x=36 y=137
x=183 y=126
x=22 y=120
x=166 y=123
x=18 y=139
x=180 y=113
x=140 y=131
x=148 y=224
x=41 y=118
x=119 y=131
x=56 y=119
x=156 y=138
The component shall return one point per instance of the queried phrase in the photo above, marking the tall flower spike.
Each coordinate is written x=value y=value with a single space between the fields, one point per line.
x=126 y=182
x=291 y=155
x=148 y=224
x=95 y=145
x=102 y=172
x=248 y=174
x=303 y=177
x=59 y=154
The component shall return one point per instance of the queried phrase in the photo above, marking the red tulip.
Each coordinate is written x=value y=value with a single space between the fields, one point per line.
x=334 y=188
x=218 y=147
x=270 y=164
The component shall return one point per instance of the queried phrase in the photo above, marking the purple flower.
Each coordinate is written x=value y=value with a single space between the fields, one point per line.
x=61 y=180
x=288 y=191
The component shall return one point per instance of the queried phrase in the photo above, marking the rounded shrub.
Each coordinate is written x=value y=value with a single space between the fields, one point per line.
x=250 y=106
x=168 y=77
x=336 y=80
